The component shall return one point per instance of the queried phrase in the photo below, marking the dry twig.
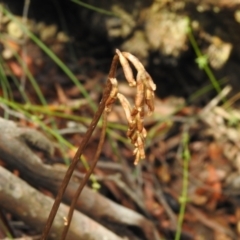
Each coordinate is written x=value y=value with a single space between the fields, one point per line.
x=32 y=206
x=16 y=153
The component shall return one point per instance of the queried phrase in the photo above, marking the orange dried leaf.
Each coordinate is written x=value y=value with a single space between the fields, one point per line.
x=16 y=69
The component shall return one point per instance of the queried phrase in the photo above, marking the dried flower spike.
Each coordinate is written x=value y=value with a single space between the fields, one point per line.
x=136 y=131
x=145 y=88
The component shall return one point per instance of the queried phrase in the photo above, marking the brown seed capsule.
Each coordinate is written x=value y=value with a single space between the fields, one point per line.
x=140 y=142
x=142 y=113
x=144 y=133
x=126 y=106
x=134 y=137
x=130 y=132
x=142 y=153
x=113 y=94
x=135 y=151
x=139 y=99
x=137 y=157
x=126 y=69
x=137 y=64
x=139 y=123
x=149 y=100
x=134 y=111
x=149 y=82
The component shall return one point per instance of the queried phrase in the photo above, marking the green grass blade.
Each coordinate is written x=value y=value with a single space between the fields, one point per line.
x=184 y=196
x=96 y=9
x=6 y=89
x=204 y=64
x=54 y=57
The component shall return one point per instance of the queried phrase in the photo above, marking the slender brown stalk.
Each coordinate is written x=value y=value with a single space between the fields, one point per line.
x=86 y=177
x=80 y=150
x=136 y=132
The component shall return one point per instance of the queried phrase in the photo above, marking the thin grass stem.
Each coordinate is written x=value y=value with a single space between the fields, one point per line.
x=184 y=195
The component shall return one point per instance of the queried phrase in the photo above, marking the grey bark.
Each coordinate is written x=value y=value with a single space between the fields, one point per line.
x=15 y=151
x=33 y=207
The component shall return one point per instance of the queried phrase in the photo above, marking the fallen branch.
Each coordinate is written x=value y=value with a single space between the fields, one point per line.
x=33 y=207
x=15 y=151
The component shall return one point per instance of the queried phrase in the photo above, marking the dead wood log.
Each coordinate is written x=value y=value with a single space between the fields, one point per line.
x=33 y=207
x=15 y=151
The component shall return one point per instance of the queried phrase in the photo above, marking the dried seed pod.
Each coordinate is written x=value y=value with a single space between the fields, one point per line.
x=126 y=107
x=144 y=132
x=137 y=64
x=135 y=151
x=139 y=123
x=134 y=137
x=126 y=69
x=137 y=157
x=149 y=82
x=134 y=111
x=132 y=124
x=130 y=131
x=142 y=113
x=139 y=98
x=113 y=94
x=149 y=100
x=140 y=142
x=142 y=153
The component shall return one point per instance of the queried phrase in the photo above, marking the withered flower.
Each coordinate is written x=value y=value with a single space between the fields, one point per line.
x=145 y=88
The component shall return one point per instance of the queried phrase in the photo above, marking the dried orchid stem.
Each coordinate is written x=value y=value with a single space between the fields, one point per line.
x=85 y=140
x=87 y=176
x=136 y=131
x=108 y=105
